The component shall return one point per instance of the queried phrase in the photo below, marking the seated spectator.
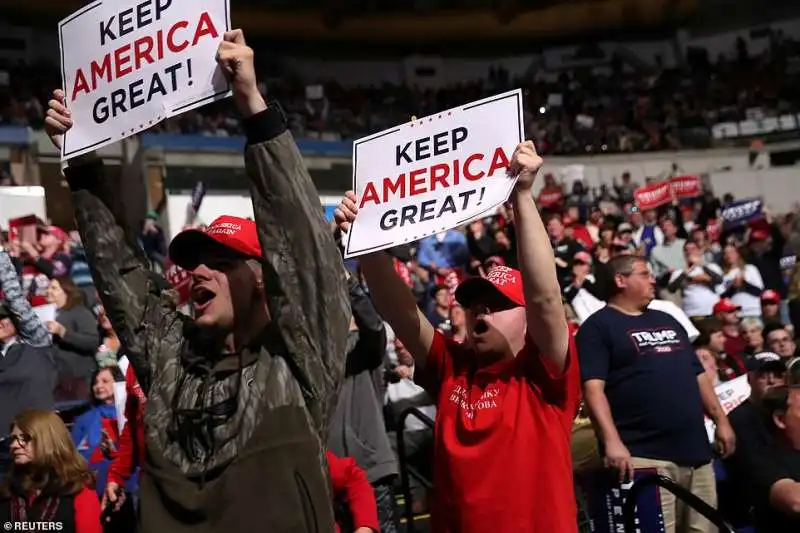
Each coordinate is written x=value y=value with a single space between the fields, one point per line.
x=771 y=307
x=777 y=474
x=742 y=282
x=696 y=282
x=107 y=353
x=354 y=499
x=49 y=480
x=752 y=330
x=780 y=340
x=75 y=338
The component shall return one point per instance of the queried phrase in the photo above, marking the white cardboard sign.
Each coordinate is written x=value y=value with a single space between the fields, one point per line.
x=731 y=394
x=129 y=64
x=435 y=173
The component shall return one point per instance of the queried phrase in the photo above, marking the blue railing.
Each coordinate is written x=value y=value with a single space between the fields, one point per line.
x=21 y=136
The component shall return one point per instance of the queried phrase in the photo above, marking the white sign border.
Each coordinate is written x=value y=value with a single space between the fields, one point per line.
x=166 y=114
x=516 y=93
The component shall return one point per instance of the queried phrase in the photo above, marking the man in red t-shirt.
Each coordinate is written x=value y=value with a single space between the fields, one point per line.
x=506 y=398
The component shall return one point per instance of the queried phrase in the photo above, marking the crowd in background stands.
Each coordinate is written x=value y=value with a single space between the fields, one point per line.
x=613 y=110
x=742 y=300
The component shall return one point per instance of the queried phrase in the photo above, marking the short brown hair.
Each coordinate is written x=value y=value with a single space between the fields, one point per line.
x=56 y=465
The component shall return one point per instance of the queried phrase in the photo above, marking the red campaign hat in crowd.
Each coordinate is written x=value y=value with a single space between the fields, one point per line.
x=759 y=235
x=583 y=257
x=725 y=305
x=226 y=234
x=770 y=296
x=56 y=232
x=507 y=281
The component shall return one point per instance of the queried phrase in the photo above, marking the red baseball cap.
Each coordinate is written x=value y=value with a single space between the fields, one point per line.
x=759 y=235
x=507 y=281
x=227 y=233
x=583 y=257
x=56 y=232
x=770 y=296
x=725 y=305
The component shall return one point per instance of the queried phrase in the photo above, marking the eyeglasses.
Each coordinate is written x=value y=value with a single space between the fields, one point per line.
x=20 y=438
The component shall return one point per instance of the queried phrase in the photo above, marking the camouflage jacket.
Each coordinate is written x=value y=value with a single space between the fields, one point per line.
x=307 y=300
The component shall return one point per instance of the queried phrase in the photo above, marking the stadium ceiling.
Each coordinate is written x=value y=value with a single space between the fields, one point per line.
x=400 y=21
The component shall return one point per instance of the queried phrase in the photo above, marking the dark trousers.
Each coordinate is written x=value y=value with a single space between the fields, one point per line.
x=384 y=497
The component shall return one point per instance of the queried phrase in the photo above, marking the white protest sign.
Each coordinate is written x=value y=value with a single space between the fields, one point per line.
x=435 y=173
x=129 y=64
x=731 y=394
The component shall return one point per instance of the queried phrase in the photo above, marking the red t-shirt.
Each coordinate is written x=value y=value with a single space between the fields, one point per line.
x=503 y=454
x=131 y=441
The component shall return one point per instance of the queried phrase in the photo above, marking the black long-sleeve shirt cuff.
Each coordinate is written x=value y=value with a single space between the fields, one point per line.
x=84 y=175
x=266 y=125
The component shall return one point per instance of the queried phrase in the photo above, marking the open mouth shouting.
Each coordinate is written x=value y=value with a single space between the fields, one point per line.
x=202 y=297
x=480 y=327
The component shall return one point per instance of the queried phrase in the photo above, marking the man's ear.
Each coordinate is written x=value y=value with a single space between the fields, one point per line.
x=779 y=419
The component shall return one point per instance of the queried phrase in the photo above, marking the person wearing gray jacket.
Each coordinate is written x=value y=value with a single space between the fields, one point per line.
x=239 y=396
x=358 y=429
x=27 y=368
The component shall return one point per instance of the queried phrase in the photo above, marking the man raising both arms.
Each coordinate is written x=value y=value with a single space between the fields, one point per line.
x=506 y=397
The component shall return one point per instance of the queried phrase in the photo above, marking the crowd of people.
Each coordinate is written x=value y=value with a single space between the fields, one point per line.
x=584 y=110
x=271 y=391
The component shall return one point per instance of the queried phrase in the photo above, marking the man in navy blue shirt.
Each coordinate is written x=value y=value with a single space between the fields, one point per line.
x=647 y=393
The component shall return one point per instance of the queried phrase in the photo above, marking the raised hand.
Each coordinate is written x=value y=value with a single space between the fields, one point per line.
x=346 y=213
x=525 y=164
x=236 y=60
x=59 y=119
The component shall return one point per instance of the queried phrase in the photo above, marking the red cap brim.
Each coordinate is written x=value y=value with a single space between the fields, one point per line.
x=471 y=289
x=191 y=248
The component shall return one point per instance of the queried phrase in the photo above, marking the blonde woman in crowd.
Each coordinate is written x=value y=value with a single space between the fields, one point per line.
x=49 y=481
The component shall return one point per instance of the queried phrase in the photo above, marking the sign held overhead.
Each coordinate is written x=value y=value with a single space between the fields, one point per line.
x=434 y=173
x=127 y=66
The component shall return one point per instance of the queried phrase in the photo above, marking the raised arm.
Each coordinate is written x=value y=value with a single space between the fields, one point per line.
x=547 y=324
x=304 y=274
x=367 y=354
x=119 y=268
x=393 y=299
x=29 y=328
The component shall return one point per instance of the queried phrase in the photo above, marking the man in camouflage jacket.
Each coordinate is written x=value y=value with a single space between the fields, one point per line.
x=240 y=396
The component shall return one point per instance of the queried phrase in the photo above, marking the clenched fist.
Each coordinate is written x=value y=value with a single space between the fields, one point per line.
x=236 y=60
x=346 y=213
x=525 y=164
